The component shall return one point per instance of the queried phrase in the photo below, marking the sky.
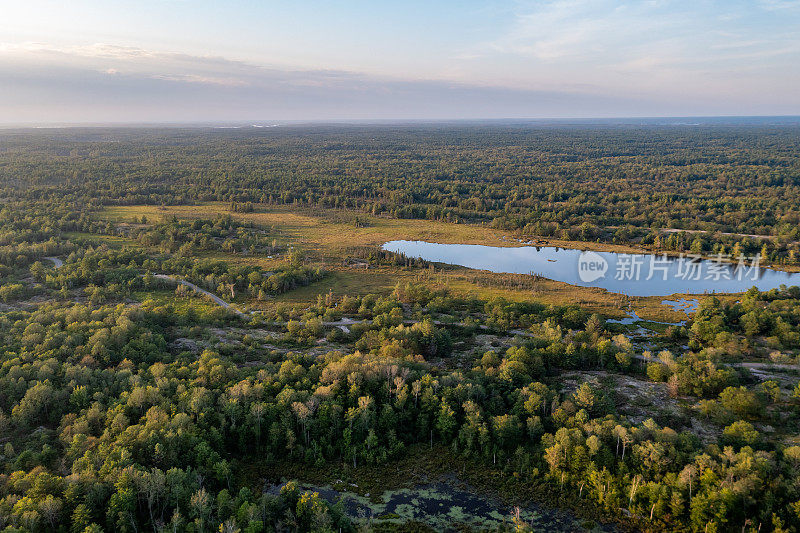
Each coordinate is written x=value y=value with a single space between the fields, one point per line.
x=238 y=60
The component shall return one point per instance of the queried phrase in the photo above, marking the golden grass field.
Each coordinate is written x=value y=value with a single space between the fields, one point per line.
x=329 y=237
x=330 y=230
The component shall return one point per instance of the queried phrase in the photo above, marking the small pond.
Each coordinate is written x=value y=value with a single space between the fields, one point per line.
x=444 y=508
x=630 y=274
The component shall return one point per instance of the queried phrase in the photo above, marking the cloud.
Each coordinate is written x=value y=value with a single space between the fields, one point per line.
x=583 y=30
x=105 y=83
x=194 y=78
x=776 y=5
x=595 y=35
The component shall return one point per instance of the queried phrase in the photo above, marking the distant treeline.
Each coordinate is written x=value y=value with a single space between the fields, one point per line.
x=620 y=184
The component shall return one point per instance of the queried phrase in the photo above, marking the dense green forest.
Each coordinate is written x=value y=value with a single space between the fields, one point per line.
x=616 y=184
x=129 y=401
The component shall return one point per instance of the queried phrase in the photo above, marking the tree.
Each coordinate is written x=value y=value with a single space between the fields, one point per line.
x=50 y=509
x=40 y=405
x=740 y=401
x=584 y=397
x=446 y=421
x=740 y=433
x=81 y=519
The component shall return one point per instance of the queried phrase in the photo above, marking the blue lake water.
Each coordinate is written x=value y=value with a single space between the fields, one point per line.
x=631 y=274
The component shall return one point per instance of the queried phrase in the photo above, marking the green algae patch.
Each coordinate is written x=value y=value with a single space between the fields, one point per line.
x=441 y=507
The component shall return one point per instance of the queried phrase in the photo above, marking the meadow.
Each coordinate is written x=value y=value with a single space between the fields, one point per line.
x=332 y=239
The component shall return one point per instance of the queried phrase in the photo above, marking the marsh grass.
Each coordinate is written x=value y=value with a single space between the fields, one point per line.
x=328 y=237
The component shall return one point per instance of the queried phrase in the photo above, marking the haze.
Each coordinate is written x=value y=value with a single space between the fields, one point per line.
x=162 y=61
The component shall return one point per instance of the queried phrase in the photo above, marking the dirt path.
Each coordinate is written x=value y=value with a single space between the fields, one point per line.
x=345 y=322
x=767 y=366
x=750 y=365
x=751 y=235
x=678 y=230
x=219 y=301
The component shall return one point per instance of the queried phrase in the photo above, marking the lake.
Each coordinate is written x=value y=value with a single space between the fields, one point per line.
x=630 y=274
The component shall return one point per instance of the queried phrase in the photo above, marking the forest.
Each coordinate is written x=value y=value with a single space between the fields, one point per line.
x=131 y=400
x=730 y=184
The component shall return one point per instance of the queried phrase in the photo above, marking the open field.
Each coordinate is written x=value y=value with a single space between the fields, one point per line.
x=329 y=231
x=330 y=237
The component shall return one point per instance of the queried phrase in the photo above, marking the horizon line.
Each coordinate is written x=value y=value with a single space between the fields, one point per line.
x=270 y=123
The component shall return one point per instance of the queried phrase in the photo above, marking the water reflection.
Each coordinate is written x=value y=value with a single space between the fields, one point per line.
x=631 y=274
